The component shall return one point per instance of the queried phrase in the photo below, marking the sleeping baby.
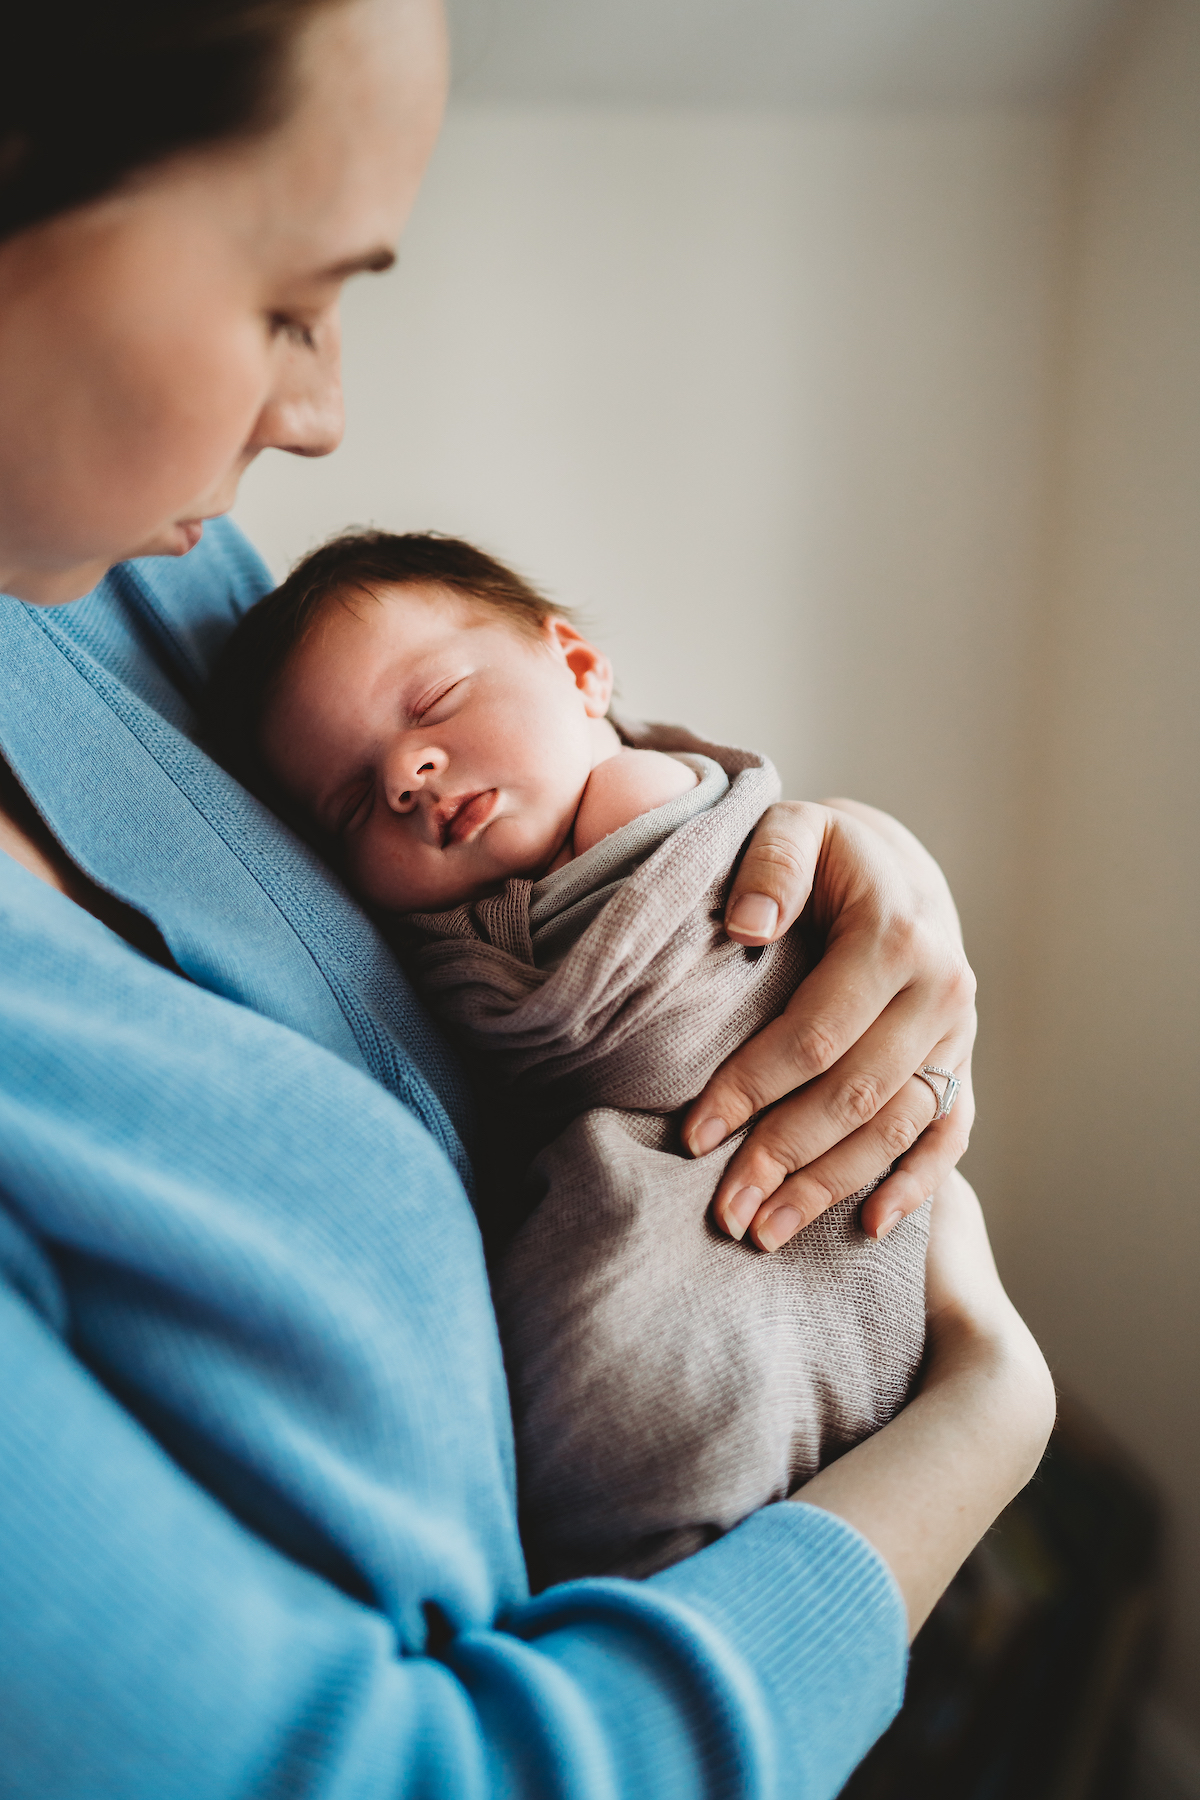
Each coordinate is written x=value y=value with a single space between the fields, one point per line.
x=554 y=879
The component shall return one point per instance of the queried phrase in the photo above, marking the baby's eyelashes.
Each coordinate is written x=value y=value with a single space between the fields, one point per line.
x=425 y=708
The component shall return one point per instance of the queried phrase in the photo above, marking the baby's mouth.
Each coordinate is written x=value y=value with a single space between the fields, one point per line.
x=465 y=815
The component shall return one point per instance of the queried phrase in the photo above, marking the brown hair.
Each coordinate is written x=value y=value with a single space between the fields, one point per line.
x=94 y=89
x=252 y=660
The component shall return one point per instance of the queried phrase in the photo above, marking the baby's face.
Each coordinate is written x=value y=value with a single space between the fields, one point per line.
x=442 y=748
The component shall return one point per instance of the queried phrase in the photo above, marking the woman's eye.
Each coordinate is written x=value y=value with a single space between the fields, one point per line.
x=295 y=330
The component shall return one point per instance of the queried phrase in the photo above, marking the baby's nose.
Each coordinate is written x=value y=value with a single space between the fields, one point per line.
x=408 y=776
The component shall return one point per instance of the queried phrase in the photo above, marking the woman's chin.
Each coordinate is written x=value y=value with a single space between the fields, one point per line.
x=53 y=587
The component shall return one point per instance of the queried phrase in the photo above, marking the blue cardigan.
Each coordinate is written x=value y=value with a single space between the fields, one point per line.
x=256 y=1471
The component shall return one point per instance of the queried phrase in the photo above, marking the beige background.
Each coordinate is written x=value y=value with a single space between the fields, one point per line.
x=873 y=438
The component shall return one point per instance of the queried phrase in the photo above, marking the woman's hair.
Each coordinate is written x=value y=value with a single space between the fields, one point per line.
x=359 y=562
x=91 y=90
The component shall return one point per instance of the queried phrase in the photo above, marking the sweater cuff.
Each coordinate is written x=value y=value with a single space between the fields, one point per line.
x=783 y=1644
x=815 y=1611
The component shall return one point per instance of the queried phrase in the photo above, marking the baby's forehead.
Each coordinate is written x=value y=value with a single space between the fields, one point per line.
x=456 y=611
x=429 y=614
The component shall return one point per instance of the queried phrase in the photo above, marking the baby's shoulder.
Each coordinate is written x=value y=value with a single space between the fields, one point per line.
x=625 y=786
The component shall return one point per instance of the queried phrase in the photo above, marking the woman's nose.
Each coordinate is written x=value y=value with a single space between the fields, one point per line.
x=305 y=412
x=407 y=772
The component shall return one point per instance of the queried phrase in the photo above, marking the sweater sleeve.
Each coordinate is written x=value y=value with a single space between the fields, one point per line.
x=154 y=1649
x=256 y=1496
x=768 y=1664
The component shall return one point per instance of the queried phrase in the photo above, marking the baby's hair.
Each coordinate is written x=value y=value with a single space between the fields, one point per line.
x=359 y=562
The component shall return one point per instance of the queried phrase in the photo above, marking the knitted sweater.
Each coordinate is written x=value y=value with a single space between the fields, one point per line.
x=256 y=1471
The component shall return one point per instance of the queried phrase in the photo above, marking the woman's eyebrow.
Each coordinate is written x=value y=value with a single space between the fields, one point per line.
x=371 y=262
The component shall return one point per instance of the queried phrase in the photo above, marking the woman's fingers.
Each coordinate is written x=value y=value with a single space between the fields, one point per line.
x=829 y=1012
x=775 y=876
x=930 y=1162
x=770 y=1191
x=889 y=927
x=836 y=1069
x=847 y=1023
x=835 y=1004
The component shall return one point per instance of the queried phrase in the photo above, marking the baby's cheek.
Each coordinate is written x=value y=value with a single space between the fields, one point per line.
x=380 y=872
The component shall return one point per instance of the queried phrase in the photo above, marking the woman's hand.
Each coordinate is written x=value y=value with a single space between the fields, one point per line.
x=892 y=992
x=925 y=1489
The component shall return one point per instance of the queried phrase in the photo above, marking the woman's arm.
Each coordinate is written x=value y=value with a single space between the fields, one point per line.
x=925 y=1489
x=151 y=1644
x=256 y=1488
x=892 y=992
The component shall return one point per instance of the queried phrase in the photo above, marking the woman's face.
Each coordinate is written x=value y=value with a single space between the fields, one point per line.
x=152 y=343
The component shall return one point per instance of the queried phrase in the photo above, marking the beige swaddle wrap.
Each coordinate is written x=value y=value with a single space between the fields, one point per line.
x=665 y=1380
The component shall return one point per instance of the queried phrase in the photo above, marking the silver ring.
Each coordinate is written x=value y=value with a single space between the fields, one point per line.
x=946 y=1096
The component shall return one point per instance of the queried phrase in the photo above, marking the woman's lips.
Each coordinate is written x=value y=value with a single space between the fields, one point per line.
x=465 y=816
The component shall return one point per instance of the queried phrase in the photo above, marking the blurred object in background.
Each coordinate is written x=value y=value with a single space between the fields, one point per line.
x=1028 y=1681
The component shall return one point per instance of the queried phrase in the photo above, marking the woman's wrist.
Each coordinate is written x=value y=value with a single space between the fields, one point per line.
x=976 y=1338
x=925 y=1489
x=994 y=1366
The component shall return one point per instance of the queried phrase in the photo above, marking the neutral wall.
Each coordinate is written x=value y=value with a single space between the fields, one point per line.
x=766 y=397
x=1110 y=1268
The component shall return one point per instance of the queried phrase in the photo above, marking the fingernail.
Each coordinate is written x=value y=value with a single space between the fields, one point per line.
x=707 y=1135
x=779 y=1227
x=754 y=914
x=741 y=1210
x=892 y=1218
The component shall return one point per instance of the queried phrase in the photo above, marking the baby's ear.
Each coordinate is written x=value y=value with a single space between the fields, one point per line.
x=590 y=667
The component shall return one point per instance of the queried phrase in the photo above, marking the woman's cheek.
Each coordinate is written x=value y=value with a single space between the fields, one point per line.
x=187 y=419
x=161 y=364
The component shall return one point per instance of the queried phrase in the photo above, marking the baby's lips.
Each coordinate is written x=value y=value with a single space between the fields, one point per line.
x=470 y=815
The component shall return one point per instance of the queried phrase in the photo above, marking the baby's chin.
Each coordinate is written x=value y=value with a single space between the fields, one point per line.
x=392 y=893
x=446 y=899
x=518 y=844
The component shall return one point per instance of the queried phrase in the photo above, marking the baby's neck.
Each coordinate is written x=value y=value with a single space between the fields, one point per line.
x=605 y=741
x=605 y=744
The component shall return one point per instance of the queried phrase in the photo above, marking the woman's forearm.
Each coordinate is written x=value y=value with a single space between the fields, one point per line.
x=925 y=1489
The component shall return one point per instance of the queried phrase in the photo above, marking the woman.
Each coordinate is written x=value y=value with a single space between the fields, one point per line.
x=256 y=1482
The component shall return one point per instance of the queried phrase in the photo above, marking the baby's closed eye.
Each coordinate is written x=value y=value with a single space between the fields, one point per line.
x=625 y=786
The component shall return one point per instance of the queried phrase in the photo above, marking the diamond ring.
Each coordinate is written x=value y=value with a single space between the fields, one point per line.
x=946 y=1096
